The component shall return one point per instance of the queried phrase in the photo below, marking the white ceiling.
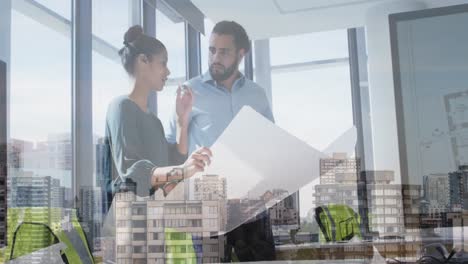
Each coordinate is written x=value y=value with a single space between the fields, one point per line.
x=272 y=18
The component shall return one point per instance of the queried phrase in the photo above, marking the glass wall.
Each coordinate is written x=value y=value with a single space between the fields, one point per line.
x=39 y=175
x=109 y=80
x=172 y=34
x=315 y=73
x=40 y=131
x=313 y=96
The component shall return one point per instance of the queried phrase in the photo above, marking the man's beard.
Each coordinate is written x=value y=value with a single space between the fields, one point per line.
x=224 y=75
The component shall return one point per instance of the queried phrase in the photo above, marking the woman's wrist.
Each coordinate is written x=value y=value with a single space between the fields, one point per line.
x=176 y=173
x=182 y=123
x=157 y=179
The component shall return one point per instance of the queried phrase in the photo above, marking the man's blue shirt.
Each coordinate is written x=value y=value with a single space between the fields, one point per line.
x=215 y=107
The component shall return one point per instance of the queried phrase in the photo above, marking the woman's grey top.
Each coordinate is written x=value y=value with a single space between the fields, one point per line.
x=138 y=144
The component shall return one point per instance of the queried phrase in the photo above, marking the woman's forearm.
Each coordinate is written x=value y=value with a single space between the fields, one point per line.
x=182 y=138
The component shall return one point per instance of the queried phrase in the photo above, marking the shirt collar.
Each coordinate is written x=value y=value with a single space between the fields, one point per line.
x=206 y=78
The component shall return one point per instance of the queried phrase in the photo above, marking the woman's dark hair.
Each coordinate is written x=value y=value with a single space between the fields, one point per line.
x=135 y=43
x=241 y=40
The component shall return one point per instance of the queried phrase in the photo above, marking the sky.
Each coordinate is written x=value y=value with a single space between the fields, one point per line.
x=313 y=105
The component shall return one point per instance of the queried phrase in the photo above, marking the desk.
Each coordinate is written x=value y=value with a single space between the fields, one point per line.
x=358 y=250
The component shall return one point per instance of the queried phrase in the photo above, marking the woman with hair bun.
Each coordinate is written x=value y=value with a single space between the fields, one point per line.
x=140 y=152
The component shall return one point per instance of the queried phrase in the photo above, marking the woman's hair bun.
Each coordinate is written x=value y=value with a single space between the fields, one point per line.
x=133 y=33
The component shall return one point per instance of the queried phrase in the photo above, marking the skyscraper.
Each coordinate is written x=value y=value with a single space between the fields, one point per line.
x=171 y=229
x=338 y=164
x=210 y=187
x=458 y=184
x=436 y=192
x=3 y=193
x=28 y=190
x=90 y=214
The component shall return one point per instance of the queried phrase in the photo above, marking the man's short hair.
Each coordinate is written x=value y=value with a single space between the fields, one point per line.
x=241 y=40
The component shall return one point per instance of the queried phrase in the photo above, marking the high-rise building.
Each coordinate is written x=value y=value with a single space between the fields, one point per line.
x=102 y=161
x=28 y=190
x=338 y=164
x=394 y=209
x=342 y=191
x=458 y=185
x=55 y=153
x=17 y=152
x=391 y=208
x=156 y=230
x=59 y=148
x=338 y=181
x=210 y=187
x=67 y=197
x=90 y=214
x=284 y=214
x=436 y=192
x=3 y=193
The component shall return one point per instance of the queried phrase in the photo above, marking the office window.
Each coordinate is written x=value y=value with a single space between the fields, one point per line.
x=159 y=261
x=139 y=261
x=139 y=210
x=123 y=211
x=123 y=223
x=309 y=47
x=194 y=210
x=110 y=21
x=177 y=236
x=139 y=223
x=213 y=248
x=176 y=222
x=139 y=249
x=155 y=211
x=312 y=102
x=124 y=249
x=172 y=34
x=180 y=249
x=157 y=223
x=210 y=223
x=139 y=236
x=179 y=261
x=197 y=236
x=213 y=209
x=123 y=237
x=377 y=192
x=194 y=222
x=40 y=110
x=156 y=249
x=158 y=236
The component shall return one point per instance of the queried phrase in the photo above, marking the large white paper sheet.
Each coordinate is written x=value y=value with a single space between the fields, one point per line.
x=258 y=159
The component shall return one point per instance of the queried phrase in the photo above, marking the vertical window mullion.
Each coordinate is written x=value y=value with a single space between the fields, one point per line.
x=192 y=52
x=82 y=140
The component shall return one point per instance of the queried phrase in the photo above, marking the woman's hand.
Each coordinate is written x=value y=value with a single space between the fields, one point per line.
x=184 y=103
x=197 y=162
